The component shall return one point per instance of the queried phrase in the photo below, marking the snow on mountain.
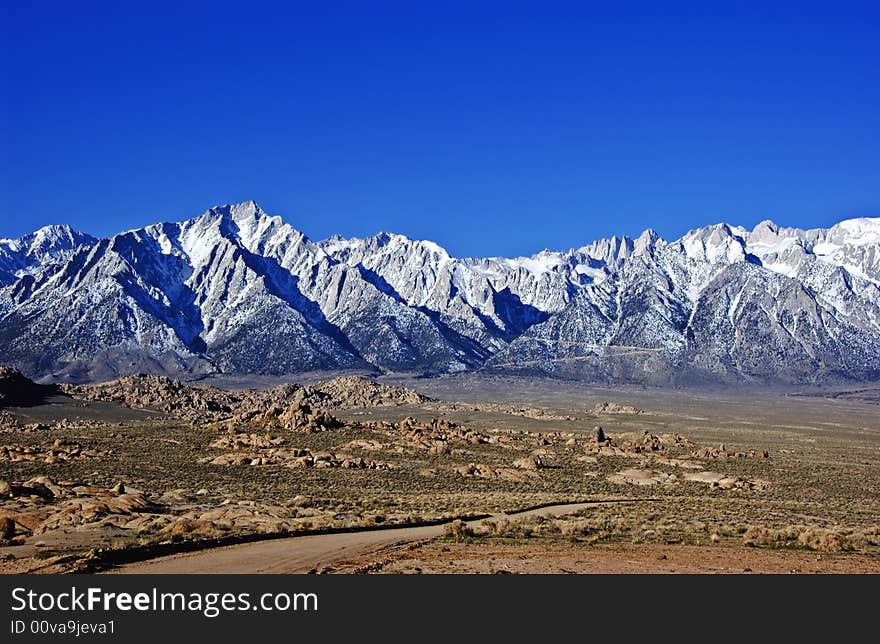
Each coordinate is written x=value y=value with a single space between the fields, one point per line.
x=853 y=245
x=238 y=290
x=50 y=243
x=721 y=303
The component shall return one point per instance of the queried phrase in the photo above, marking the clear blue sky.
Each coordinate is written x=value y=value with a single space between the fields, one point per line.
x=491 y=128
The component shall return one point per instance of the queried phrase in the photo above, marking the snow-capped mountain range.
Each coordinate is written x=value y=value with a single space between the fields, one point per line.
x=237 y=290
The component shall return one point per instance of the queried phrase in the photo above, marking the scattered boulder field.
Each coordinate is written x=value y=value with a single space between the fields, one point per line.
x=289 y=458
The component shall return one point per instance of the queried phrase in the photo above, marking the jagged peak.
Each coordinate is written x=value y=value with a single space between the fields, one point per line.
x=715 y=243
x=608 y=249
x=243 y=211
x=717 y=231
x=766 y=224
x=57 y=231
x=384 y=237
x=247 y=210
x=383 y=240
x=646 y=241
x=768 y=236
x=248 y=222
x=48 y=240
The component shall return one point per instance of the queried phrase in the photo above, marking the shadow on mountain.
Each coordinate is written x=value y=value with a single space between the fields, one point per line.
x=284 y=285
x=380 y=283
x=476 y=353
x=169 y=273
x=516 y=315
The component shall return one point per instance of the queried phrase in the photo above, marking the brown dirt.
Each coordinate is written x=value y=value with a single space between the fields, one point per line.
x=729 y=469
x=439 y=557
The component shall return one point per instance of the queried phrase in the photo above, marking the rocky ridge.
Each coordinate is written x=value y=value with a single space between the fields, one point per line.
x=722 y=303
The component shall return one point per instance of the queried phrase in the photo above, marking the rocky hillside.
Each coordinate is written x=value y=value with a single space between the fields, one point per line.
x=203 y=403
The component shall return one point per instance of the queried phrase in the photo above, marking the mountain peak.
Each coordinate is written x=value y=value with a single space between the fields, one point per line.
x=240 y=290
x=766 y=225
x=49 y=240
x=244 y=211
x=250 y=224
x=249 y=209
x=715 y=243
x=648 y=236
x=646 y=241
x=859 y=231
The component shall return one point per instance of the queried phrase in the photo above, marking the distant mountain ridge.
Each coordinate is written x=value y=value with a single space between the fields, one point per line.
x=236 y=290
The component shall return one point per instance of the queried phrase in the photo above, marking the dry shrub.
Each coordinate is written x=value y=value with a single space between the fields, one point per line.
x=757 y=535
x=458 y=530
x=870 y=536
x=823 y=540
x=507 y=529
x=814 y=538
x=576 y=528
x=545 y=527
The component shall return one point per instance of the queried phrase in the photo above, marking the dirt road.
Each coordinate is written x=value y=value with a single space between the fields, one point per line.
x=301 y=554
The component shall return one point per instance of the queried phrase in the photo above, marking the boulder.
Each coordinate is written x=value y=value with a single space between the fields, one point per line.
x=7 y=528
x=533 y=462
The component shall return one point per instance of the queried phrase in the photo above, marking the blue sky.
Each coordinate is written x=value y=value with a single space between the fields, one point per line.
x=491 y=128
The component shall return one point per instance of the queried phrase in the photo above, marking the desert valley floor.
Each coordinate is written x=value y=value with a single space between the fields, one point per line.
x=464 y=473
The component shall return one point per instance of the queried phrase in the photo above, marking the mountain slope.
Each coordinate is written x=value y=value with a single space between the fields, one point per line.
x=237 y=290
x=720 y=304
x=43 y=246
